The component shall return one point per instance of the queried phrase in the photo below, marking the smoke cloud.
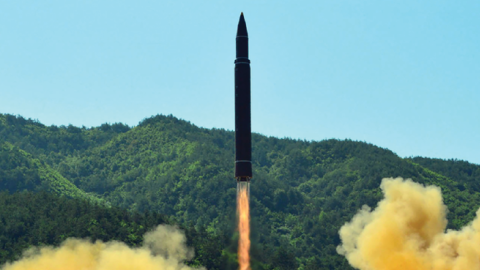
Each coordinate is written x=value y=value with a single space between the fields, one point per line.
x=407 y=232
x=164 y=249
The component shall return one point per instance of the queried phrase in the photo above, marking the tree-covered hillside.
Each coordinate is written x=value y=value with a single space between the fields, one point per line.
x=465 y=173
x=301 y=193
x=37 y=219
x=19 y=171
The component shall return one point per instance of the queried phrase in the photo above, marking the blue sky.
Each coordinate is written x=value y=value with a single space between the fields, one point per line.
x=403 y=75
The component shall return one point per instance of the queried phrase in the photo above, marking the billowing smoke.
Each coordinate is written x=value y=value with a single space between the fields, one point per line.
x=164 y=249
x=407 y=232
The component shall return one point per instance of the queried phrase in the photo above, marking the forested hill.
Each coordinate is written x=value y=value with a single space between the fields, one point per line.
x=20 y=171
x=302 y=192
x=30 y=219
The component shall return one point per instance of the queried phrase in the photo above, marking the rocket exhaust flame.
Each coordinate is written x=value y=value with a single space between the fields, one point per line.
x=243 y=212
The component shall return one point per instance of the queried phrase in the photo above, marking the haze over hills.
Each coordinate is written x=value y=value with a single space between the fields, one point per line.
x=301 y=194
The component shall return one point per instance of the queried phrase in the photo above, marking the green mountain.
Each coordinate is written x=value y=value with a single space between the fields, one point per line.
x=19 y=171
x=301 y=194
x=467 y=174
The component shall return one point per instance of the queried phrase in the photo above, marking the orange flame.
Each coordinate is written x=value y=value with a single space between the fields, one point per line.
x=243 y=211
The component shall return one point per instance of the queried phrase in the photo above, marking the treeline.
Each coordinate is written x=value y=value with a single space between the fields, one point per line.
x=466 y=174
x=301 y=194
x=30 y=219
x=53 y=142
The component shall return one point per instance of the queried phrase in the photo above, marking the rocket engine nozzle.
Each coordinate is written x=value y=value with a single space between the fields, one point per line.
x=243 y=179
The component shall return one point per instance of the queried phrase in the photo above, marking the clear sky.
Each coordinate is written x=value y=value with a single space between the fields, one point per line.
x=403 y=75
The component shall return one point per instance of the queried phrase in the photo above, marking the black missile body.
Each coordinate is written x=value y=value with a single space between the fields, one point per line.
x=243 y=134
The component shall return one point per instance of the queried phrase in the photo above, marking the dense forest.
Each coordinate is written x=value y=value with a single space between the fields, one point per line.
x=301 y=194
x=38 y=219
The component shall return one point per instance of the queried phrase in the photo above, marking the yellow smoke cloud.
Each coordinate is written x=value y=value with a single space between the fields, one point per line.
x=407 y=232
x=164 y=249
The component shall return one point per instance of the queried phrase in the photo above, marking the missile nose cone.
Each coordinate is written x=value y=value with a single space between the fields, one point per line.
x=242 y=27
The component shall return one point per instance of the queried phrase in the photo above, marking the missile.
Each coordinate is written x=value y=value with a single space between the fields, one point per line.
x=243 y=133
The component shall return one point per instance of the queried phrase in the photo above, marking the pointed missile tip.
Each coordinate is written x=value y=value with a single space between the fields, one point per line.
x=242 y=27
x=242 y=18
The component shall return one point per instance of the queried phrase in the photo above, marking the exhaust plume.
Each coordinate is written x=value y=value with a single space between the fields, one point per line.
x=243 y=211
x=164 y=249
x=407 y=232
